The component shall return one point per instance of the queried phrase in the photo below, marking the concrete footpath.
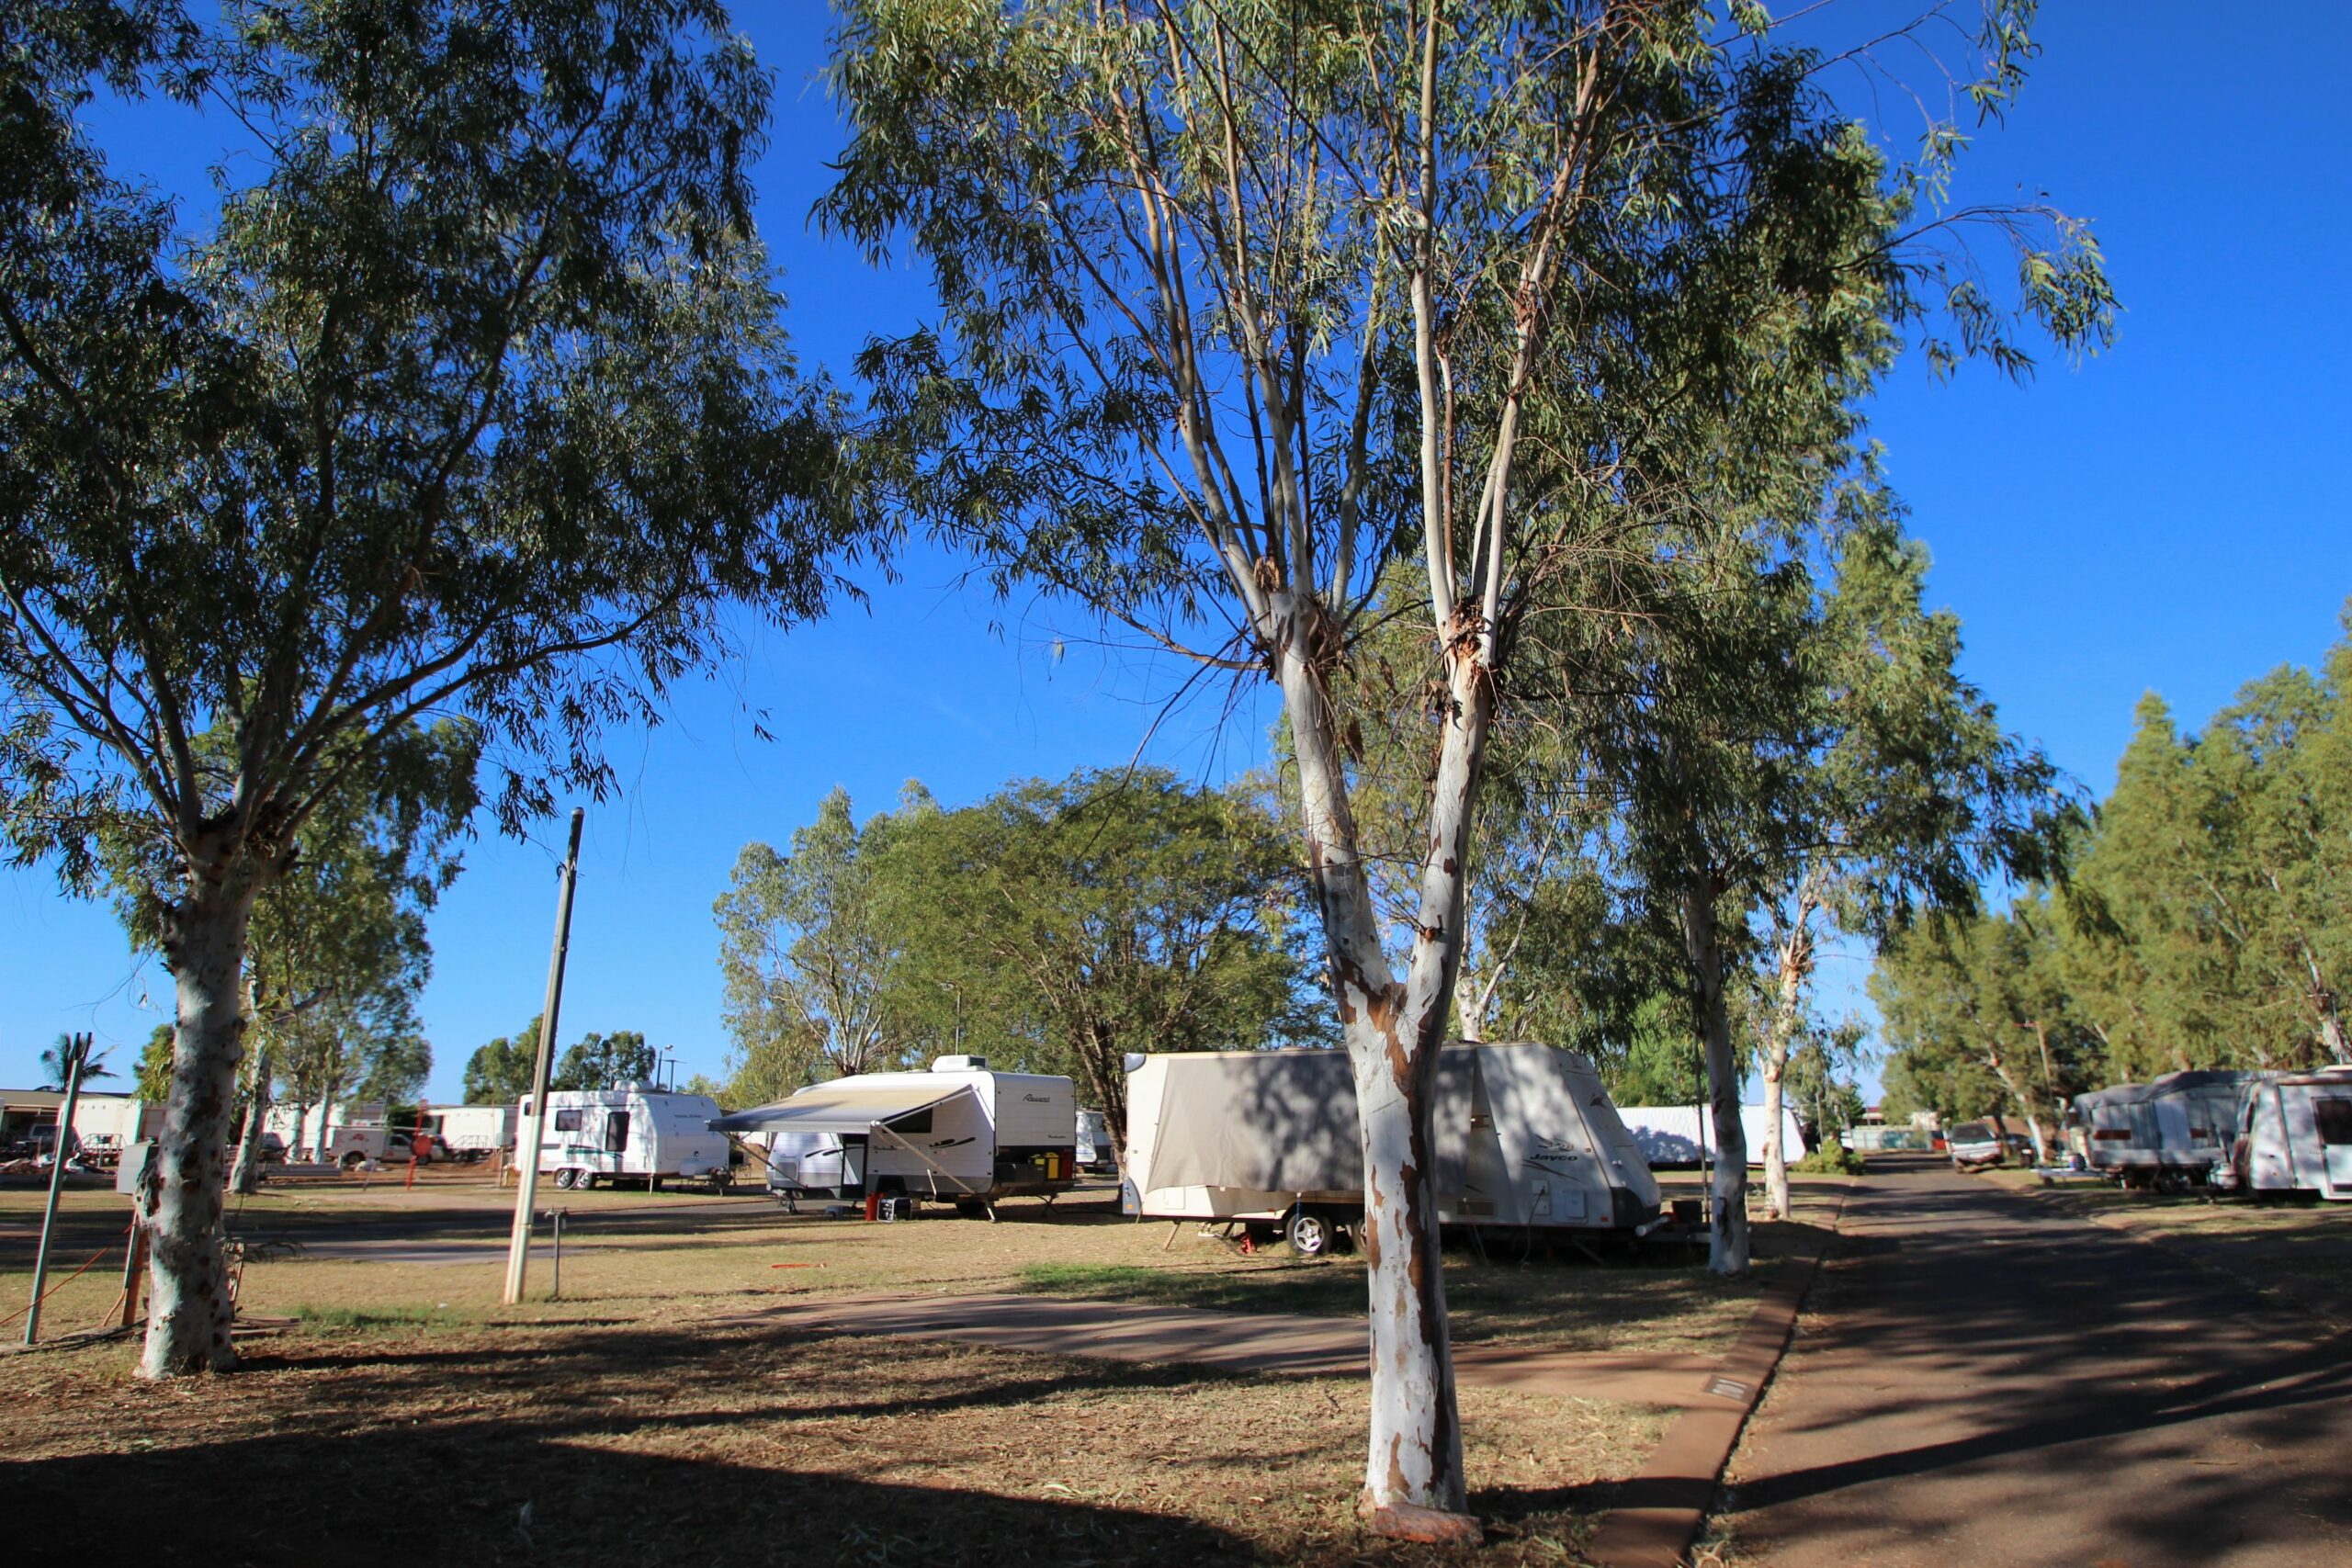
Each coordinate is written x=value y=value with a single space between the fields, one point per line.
x=1983 y=1378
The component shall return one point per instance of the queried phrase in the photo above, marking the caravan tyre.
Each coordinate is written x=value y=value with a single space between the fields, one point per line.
x=582 y=1180
x=1310 y=1233
x=564 y=1178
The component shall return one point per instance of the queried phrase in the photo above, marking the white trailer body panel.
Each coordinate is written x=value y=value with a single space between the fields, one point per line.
x=114 y=1122
x=1094 y=1145
x=634 y=1132
x=472 y=1128
x=355 y=1131
x=1676 y=1134
x=1526 y=1137
x=2296 y=1135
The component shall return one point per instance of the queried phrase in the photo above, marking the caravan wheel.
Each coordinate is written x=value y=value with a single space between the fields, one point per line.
x=564 y=1178
x=1310 y=1233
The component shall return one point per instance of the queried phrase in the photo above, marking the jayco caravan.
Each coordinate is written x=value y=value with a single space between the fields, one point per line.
x=1526 y=1140
x=2295 y=1135
x=1683 y=1135
x=630 y=1132
x=958 y=1134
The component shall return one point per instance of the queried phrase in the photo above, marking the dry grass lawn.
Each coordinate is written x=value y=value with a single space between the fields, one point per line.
x=653 y=1416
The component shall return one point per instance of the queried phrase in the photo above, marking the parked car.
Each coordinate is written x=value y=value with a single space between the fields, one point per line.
x=1975 y=1145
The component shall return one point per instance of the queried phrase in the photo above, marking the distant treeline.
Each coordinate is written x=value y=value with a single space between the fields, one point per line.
x=2205 y=921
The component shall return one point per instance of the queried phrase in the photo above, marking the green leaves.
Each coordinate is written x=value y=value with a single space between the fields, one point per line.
x=2210 y=925
x=474 y=400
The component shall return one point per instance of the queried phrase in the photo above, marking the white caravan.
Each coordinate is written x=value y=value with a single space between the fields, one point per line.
x=1674 y=1136
x=473 y=1132
x=1527 y=1140
x=2170 y=1131
x=958 y=1134
x=1095 y=1149
x=346 y=1134
x=106 y=1124
x=630 y=1132
x=2295 y=1135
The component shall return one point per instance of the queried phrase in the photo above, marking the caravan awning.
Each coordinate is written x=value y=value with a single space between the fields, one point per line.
x=840 y=1109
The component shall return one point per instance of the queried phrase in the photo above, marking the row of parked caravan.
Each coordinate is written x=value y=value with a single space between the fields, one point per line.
x=2265 y=1132
x=1527 y=1138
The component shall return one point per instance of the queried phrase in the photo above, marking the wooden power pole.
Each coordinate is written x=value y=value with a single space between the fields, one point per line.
x=529 y=1129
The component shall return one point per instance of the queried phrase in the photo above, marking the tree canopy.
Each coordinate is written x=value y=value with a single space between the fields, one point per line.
x=1050 y=927
x=1260 y=324
x=473 y=401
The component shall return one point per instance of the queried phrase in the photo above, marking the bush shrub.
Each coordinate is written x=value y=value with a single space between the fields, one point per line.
x=1831 y=1159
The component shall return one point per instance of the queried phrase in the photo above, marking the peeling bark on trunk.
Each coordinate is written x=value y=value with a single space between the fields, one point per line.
x=1414 y=1478
x=1727 y=1245
x=2331 y=1034
x=188 y=1310
x=1796 y=962
x=246 y=1181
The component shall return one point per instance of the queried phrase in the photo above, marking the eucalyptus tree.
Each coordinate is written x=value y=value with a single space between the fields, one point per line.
x=471 y=401
x=1909 y=797
x=1111 y=913
x=1974 y=1002
x=2208 y=911
x=500 y=1070
x=1247 y=311
x=600 y=1061
x=813 y=978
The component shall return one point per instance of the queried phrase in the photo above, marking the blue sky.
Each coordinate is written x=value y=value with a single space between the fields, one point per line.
x=2170 y=516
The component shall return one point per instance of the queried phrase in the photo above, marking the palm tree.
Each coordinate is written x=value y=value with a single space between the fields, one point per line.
x=52 y=1065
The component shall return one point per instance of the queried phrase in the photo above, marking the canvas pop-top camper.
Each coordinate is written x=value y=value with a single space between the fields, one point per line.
x=2170 y=1131
x=958 y=1134
x=1527 y=1139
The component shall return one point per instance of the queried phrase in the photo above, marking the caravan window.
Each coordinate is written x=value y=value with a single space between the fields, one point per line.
x=567 y=1121
x=616 y=1133
x=913 y=1122
x=2335 y=1119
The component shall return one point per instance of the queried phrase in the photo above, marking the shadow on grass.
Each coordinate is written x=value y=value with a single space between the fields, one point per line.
x=499 y=1495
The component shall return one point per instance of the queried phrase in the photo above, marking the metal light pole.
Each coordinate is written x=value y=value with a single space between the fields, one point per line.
x=75 y=1054
x=518 y=1245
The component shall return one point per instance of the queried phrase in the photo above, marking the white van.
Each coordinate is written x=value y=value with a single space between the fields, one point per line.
x=958 y=1134
x=631 y=1133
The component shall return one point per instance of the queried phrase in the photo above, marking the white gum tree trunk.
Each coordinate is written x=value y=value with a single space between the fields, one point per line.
x=1728 y=1243
x=1992 y=1060
x=246 y=1179
x=189 y=1309
x=1795 y=964
x=1414 y=1483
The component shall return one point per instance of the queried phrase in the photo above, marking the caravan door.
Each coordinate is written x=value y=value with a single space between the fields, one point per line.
x=2331 y=1118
